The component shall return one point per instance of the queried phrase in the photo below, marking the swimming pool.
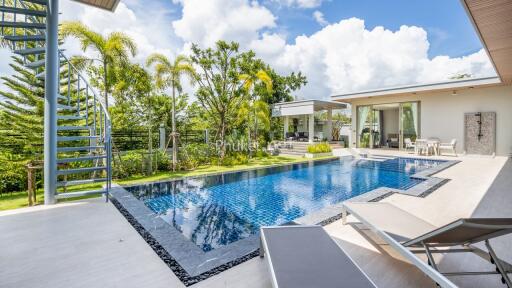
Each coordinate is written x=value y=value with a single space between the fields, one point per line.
x=214 y=211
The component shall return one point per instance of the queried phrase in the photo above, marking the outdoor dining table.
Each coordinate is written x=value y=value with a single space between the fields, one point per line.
x=427 y=145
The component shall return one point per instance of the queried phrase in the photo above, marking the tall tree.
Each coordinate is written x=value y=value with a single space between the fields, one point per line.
x=113 y=50
x=220 y=92
x=282 y=86
x=169 y=74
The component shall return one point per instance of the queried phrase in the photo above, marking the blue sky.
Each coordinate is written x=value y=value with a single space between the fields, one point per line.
x=449 y=29
x=340 y=45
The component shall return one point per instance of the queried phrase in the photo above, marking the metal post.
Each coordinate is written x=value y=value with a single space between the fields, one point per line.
x=329 y=125
x=286 y=125
x=162 y=137
x=50 y=103
x=311 y=128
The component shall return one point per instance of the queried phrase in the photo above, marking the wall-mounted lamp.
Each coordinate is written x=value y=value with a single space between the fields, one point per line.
x=454 y=93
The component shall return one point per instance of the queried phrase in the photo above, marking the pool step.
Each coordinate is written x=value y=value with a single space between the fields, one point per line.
x=80 y=182
x=80 y=194
x=81 y=170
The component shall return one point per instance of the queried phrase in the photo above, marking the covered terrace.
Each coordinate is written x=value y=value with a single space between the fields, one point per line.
x=299 y=119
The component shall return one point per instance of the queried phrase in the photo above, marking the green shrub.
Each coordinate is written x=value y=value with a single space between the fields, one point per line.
x=13 y=177
x=232 y=159
x=130 y=164
x=163 y=161
x=261 y=154
x=319 y=148
x=200 y=153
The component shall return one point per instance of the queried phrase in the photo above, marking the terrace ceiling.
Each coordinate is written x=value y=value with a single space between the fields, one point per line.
x=493 y=22
x=109 y=5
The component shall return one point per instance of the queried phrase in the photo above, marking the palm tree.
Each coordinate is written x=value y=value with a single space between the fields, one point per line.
x=249 y=81
x=114 y=50
x=168 y=74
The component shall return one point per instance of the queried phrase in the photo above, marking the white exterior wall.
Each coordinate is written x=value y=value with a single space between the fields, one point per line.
x=442 y=114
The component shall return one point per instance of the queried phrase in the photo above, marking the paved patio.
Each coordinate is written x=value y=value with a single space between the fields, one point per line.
x=89 y=244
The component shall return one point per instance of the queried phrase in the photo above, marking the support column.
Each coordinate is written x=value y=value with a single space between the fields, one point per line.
x=286 y=125
x=311 y=128
x=329 y=125
x=50 y=102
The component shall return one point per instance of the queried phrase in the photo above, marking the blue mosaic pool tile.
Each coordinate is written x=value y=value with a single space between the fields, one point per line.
x=214 y=211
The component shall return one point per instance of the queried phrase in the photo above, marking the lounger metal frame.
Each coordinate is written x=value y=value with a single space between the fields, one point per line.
x=430 y=268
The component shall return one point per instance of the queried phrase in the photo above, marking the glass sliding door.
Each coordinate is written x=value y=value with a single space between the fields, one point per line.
x=364 y=125
x=368 y=127
x=409 y=122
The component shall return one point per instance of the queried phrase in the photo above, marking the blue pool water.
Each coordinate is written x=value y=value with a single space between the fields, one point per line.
x=217 y=210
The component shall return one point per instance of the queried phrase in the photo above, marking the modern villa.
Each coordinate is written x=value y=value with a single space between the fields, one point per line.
x=421 y=197
x=475 y=112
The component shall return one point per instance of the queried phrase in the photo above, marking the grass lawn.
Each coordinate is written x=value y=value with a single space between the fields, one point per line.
x=19 y=199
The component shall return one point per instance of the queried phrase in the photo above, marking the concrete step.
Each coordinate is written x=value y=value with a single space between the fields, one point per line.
x=79 y=194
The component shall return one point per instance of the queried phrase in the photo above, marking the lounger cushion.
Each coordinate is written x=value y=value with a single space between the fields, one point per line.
x=397 y=223
x=306 y=256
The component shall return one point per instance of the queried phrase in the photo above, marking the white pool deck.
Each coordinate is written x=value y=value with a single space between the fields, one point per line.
x=90 y=244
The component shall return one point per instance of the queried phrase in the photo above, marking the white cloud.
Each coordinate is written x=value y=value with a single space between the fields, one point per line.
x=205 y=22
x=341 y=57
x=346 y=57
x=301 y=3
x=319 y=18
x=147 y=23
x=268 y=46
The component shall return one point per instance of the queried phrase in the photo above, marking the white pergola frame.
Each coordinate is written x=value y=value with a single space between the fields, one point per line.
x=307 y=109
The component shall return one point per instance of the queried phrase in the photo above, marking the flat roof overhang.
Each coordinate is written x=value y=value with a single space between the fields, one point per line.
x=492 y=20
x=109 y=5
x=304 y=107
x=419 y=89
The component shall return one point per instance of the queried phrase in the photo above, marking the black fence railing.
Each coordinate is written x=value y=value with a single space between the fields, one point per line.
x=123 y=139
x=136 y=139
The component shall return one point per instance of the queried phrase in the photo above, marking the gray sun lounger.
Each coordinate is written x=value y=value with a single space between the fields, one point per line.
x=306 y=256
x=410 y=235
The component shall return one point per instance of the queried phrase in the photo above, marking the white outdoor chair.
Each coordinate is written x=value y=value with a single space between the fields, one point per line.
x=449 y=146
x=409 y=144
x=421 y=146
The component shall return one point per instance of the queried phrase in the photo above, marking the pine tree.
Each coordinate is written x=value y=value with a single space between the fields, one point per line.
x=21 y=112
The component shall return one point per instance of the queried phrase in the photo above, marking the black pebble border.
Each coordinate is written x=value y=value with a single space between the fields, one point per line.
x=167 y=258
x=330 y=220
x=433 y=188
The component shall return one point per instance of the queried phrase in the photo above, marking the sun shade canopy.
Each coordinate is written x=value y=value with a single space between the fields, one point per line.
x=492 y=21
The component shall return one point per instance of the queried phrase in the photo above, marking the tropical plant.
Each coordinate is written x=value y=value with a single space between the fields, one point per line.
x=319 y=148
x=114 y=51
x=249 y=81
x=168 y=74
